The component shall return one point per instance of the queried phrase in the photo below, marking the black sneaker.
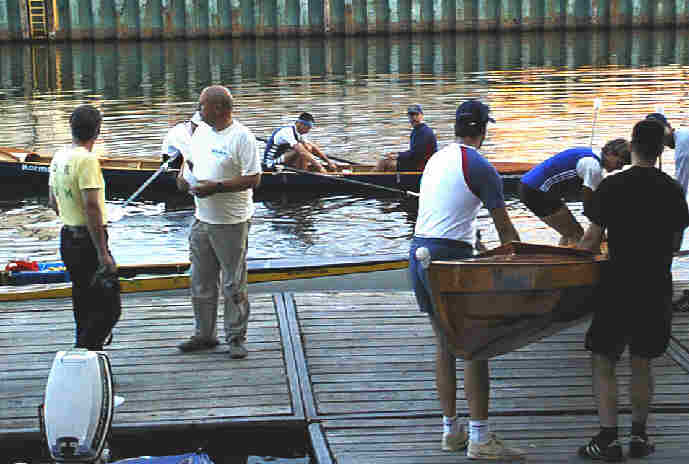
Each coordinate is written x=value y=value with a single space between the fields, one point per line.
x=611 y=452
x=640 y=447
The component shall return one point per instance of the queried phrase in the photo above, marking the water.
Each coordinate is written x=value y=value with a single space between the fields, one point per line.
x=541 y=88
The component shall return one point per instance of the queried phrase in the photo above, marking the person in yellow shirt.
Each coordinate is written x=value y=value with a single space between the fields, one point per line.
x=77 y=194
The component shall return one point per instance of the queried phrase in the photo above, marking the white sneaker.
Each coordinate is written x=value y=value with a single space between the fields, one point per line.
x=494 y=449
x=119 y=401
x=455 y=441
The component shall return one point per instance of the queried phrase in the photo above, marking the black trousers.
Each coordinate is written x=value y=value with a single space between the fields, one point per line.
x=96 y=310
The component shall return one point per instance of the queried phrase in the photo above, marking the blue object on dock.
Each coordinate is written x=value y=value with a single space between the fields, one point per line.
x=189 y=458
x=48 y=273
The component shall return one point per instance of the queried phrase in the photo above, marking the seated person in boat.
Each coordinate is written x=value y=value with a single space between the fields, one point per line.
x=566 y=174
x=644 y=212
x=288 y=146
x=456 y=181
x=178 y=139
x=422 y=144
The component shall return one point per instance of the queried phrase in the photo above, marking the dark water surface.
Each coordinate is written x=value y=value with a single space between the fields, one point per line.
x=541 y=88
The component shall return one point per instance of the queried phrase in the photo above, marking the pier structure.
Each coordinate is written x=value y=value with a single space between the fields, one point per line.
x=190 y=19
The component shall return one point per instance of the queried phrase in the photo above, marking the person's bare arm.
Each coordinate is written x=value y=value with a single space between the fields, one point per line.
x=206 y=188
x=504 y=226
x=94 y=222
x=52 y=201
x=592 y=238
x=182 y=184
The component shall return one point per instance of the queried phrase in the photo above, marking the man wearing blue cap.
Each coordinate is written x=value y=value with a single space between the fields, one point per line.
x=678 y=140
x=456 y=181
x=422 y=144
x=288 y=145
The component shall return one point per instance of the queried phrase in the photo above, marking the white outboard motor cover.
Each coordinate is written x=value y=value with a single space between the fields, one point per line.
x=78 y=408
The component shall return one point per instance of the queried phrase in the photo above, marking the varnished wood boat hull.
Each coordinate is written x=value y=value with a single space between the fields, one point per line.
x=490 y=306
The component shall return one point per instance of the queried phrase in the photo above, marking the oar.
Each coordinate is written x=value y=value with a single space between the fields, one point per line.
x=341 y=160
x=335 y=178
x=597 y=103
x=116 y=216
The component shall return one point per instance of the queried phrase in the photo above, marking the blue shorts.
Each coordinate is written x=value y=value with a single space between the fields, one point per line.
x=440 y=248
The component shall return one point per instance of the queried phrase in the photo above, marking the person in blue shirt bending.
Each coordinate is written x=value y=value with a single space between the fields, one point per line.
x=422 y=144
x=569 y=173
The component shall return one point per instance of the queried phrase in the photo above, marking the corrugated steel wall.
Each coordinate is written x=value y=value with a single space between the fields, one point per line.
x=168 y=19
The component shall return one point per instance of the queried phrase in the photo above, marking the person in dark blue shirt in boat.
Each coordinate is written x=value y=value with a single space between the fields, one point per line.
x=422 y=145
x=644 y=212
x=570 y=172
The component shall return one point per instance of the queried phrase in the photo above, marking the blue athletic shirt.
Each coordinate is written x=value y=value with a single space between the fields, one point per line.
x=422 y=144
x=558 y=175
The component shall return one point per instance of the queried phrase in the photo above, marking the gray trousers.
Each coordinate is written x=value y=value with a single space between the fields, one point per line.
x=215 y=248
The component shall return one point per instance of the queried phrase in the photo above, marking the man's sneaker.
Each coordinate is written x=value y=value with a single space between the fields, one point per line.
x=494 y=449
x=640 y=447
x=237 y=348
x=611 y=452
x=455 y=441
x=197 y=343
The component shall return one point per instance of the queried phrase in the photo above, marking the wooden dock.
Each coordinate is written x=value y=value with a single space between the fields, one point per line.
x=355 y=369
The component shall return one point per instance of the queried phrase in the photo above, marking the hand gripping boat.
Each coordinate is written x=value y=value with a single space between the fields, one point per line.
x=77 y=413
x=511 y=296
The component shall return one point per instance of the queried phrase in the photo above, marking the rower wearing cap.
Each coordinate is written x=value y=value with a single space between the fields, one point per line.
x=678 y=140
x=566 y=174
x=422 y=144
x=288 y=146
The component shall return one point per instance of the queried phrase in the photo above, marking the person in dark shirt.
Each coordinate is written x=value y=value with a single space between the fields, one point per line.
x=644 y=212
x=422 y=144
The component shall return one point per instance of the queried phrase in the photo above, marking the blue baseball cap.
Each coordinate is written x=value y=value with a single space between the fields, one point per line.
x=415 y=109
x=658 y=117
x=472 y=112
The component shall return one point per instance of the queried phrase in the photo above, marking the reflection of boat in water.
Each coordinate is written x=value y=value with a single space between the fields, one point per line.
x=29 y=170
x=511 y=296
x=265 y=275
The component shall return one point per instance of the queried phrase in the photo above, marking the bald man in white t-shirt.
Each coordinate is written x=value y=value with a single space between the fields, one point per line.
x=226 y=167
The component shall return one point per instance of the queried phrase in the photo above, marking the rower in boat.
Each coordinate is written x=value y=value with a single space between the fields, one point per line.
x=422 y=144
x=644 y=212
x=288 y=145
x=455 y=182
x=575 y=170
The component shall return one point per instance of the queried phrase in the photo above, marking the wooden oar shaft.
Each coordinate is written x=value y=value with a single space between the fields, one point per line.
x=161 y=169
x=335 y=178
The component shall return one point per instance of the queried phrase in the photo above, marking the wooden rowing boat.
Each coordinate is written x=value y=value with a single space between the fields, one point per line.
x=511 y=296
x=29 y=169
x=265 y=275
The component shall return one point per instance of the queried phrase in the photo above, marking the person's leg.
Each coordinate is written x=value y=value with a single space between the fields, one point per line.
x=230 y=243
x=385 y=164
x=205 y=273
x=563 y=221
x=641 y=391
x=605 y=389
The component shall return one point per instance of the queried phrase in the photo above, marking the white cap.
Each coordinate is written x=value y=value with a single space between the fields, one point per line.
x=196 y=118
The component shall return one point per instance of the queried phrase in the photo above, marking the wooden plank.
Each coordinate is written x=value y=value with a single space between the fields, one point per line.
x=293 y=355
x=319 y=445
x=163 y=387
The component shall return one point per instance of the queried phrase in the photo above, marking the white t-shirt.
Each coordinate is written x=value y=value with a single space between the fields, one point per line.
x=590 y=171
x=447 y=206
x=682 y=157
x=178 y=138
x=286 y=135
x=222 y=156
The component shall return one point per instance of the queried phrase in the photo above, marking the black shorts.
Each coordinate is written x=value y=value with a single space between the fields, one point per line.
x=541 y=203
x=623 y=317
